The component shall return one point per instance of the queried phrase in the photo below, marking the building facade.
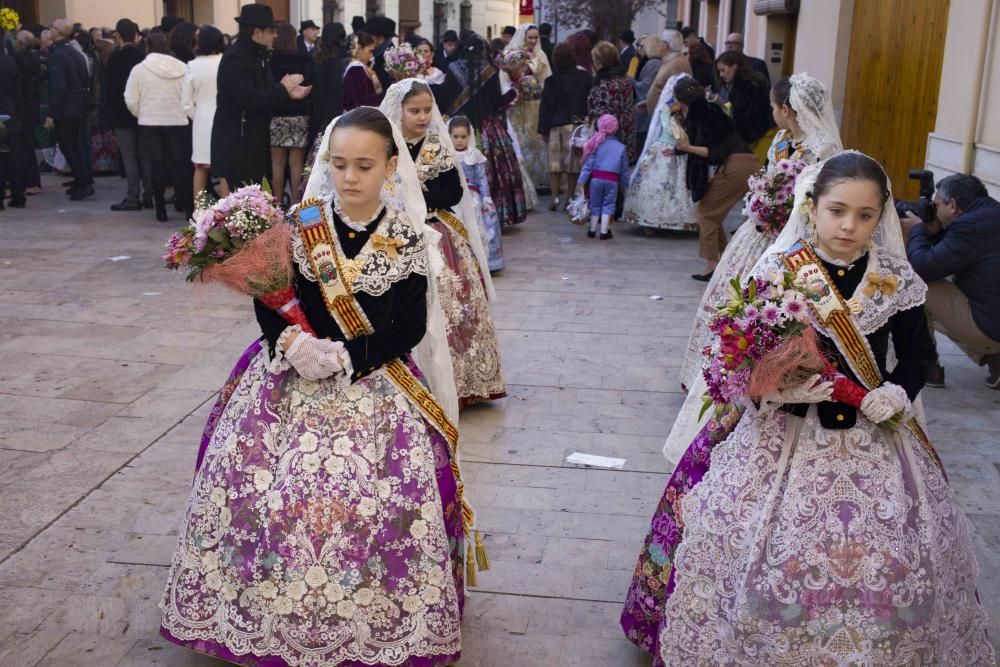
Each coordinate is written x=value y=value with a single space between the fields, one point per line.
x=431 y=18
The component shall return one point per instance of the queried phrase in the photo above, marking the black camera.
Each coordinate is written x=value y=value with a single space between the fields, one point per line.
x=924 y=208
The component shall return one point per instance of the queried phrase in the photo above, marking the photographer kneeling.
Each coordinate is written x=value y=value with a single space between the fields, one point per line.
x=962 y=243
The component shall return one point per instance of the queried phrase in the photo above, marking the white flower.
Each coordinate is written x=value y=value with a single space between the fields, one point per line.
x=232 y=442
x=417 y=456
x=225 y=516
x=324 y=452
x=412 y=604
x=228 y=591
x=369 y=452
x=367 y=507
x=346 y=609
x=342 y=446
x=308 y=442
x=418 y=529
x=267 y=589
x=435 y=577
x=334 y=465
x=210 y=560
x=262 y=479
x=213 y=581
x=364 y=596
x=431 y=595
x=383 y=488
x=366 y=406
x=316 y=576
x=401 y=401
x=311 y=463
x=333 y=592
x=354 y=392
x=274 y=501
x=283 y=606
x=296 y=590
x=429 y=510
x=218 y=496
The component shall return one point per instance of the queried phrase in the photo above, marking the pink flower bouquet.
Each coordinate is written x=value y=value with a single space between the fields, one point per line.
x=402 y=62
x=243 y=243
x=769 y=202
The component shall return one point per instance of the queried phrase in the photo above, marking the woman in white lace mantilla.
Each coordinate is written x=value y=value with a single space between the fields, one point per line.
x=466 y=287
x=325 y=525
x=528 y=78
x=818 y=536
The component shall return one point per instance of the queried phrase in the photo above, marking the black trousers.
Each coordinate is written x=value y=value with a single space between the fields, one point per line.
x=29 y=161
x=169 y=151
x=69 y=136
x=11 y=172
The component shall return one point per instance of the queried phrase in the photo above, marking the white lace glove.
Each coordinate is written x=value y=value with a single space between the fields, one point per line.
x=882 y=403
x=812 y=390
x=317 y=358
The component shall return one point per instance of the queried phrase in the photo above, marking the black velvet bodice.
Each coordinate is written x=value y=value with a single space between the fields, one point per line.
x=399 y=316
x=444 y=190
x=911 y=339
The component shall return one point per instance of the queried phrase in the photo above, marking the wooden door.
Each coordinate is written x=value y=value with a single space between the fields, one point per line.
x=893 y=74
x=279 y=8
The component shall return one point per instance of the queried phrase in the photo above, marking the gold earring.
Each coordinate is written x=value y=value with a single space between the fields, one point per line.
x=389 y=187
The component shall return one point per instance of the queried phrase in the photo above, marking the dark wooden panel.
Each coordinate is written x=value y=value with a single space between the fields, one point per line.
x=893 y=77
x=280 y=9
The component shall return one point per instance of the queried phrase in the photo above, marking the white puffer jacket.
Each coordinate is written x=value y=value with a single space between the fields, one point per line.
x=153 y=91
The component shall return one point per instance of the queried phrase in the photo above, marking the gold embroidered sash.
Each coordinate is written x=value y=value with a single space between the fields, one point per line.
x=466 y=94
x=450 y=219
x=834 y=315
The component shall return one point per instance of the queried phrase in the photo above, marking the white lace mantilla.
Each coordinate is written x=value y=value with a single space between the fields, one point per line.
x=373 y=270
x=434 y=159
x=874 y=310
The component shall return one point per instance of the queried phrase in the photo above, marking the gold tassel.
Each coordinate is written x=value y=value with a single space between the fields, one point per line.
x=482 y=560
x=470 y=569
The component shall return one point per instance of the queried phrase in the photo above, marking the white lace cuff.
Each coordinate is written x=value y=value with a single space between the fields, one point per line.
x=345 y=359
x=279 y=362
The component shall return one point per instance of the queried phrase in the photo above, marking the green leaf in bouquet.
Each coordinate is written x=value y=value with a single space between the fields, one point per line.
x=265 y=185
x=217 y=235
x=706 y=403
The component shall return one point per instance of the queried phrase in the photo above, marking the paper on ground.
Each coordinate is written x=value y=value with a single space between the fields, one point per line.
x=656 y=297
x=594 y=460
x=118 y=258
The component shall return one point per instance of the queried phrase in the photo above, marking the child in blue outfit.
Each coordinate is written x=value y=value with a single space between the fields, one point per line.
x=605 y=163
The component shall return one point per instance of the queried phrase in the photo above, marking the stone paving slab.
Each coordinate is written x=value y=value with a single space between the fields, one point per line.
x=106 y=390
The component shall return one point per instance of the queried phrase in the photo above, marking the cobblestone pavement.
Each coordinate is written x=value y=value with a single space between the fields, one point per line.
x=109 y=368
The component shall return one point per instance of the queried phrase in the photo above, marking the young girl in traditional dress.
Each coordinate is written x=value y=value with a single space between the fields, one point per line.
x=605 y=165
x=466 y=284
x=325 y=523
x=529 y=81
x=474 y=165
x=361 y=84
x=820 y=535
x=658 y=197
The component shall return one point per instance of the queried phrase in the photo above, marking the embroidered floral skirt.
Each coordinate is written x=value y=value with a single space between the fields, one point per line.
x=323 y=527
x=472 y=338
x=502 y=171
x=808 y=546
x=657 y=196
x=489 y=226
x=741 y=254
x=534 y=149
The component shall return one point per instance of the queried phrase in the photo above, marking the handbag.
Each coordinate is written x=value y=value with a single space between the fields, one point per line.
x=581 y=135
x=578 y=209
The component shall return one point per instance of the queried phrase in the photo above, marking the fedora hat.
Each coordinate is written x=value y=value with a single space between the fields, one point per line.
x=307 y=24
x=256 y=16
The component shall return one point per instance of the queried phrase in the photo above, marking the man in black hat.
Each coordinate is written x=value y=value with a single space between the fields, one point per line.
x=383 y=29
x=125 y=126
x=508 y=33
x=626 y=47
x=168 y=22
x=447 y=53
x=357 y=24
x=308 y=38
x=247 y=98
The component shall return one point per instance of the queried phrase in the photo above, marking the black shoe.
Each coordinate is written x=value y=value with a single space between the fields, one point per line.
x=993 y=361
x=126 y=205
x=18 y=204
x=71 y=183
x=82 y=193
x=161 y=214
x=607 y=235
x=147 y=201
x=702 y=277
x=591 y=235
x=934 y=376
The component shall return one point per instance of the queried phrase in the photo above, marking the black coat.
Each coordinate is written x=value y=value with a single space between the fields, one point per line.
x=29 y=67
x=11 y=102
x=564 y=99
x=120 y=64
x=751 y=108
x=248 y=97
x=70 y=97
x=626 y=56
x=911 y=340
x=969 y=250
x=327 y=93
x=708 y=125
x=283 y=64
